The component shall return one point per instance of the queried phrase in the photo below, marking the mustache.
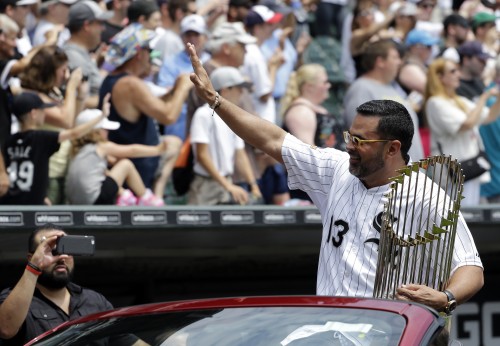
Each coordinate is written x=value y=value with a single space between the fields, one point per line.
x=352 y=153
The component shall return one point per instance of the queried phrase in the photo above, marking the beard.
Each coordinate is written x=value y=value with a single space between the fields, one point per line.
x=363 y=169
x=54 y=280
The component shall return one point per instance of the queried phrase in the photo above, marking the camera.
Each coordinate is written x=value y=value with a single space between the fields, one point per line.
x=74 y=245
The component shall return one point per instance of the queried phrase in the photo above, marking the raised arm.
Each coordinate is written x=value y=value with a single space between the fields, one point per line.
x=260 y=133
x=80 y=130
x=166 y=109
x=14 y=309
x=132 y=150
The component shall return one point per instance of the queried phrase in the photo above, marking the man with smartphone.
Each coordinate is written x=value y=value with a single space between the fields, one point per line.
x=45 y=296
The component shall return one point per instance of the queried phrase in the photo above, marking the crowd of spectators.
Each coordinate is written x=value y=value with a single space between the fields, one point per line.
x=307 y=65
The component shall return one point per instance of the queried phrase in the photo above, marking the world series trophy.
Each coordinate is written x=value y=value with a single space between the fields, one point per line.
x=419 y=225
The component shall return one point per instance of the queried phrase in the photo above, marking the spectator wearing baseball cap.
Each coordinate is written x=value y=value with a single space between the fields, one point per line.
x=25 y=103
x=420 y=37
x=482 y=23
x=218 y=152
x=138 y=110
x=274 y=43
x=473 y=59
x=38 y=146
x=412 y=75
x=227 y=46
x=473 y=49
x=86 y=24
x=193 y=29
x=90 y=178
x=52 y=13
x=261 y=14
x=18 y=11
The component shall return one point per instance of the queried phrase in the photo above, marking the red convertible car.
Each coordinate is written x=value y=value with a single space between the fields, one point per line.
x=254 y=321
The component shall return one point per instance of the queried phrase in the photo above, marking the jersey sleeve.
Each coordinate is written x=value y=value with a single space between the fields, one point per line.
x=465 y=252
x=310 y=168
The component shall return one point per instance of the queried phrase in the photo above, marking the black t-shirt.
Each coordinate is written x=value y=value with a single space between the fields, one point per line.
x=26 y=155
x=44 y=315
x=471 y=89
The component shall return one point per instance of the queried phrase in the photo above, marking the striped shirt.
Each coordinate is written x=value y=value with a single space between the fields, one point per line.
x=351 y=216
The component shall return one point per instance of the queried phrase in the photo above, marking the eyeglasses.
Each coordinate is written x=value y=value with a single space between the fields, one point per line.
x=357 y=142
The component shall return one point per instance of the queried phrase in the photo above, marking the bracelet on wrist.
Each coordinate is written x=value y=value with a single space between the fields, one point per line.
x=216 y=103
x=33 y=269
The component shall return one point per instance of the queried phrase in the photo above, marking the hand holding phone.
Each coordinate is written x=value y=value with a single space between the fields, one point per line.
x=75 y=245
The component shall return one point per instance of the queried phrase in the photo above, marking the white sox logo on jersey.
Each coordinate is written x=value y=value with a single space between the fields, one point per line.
x=344 y=228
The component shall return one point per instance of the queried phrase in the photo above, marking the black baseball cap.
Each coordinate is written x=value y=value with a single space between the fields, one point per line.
x=26 y=102
x=473 y=48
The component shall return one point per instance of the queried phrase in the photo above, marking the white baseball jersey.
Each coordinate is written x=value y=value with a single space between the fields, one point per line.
x=351 y=216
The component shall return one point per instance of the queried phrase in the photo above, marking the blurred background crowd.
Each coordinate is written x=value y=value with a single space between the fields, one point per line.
x=96 y=105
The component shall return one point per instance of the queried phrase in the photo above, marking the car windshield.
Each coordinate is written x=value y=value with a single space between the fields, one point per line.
x=280 y=326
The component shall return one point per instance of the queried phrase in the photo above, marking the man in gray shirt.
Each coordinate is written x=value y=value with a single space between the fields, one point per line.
x=382 y=61
x=86 y=23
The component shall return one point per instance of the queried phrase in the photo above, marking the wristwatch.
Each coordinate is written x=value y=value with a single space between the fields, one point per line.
x=452 y=302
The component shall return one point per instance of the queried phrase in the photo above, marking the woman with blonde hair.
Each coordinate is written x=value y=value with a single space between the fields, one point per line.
x=454 y=120
x=303 y=115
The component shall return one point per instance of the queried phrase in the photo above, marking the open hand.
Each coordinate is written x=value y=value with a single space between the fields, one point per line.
x=199 y=77
x=43 y=257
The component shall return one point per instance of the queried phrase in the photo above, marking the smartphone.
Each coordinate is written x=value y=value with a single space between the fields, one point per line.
x=75 y=245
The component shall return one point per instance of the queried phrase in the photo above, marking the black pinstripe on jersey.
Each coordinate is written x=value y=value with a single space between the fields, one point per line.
x=349 y=211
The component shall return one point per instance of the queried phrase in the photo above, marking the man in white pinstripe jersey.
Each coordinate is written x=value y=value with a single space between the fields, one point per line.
x=348 y=189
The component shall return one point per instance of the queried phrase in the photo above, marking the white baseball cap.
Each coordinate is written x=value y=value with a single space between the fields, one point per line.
x=26 y=2
x=232 y=32
x=90 y=114
x=194 y=22
x=226 y=77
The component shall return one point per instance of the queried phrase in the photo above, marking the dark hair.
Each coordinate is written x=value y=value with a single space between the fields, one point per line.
x=75 y=26
x=395 y=122
x=5 y=3
x=174 y=5
x=40 y=74
x=141 y=8
x=377 y=49
x=32 y=244
x=454 y=19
